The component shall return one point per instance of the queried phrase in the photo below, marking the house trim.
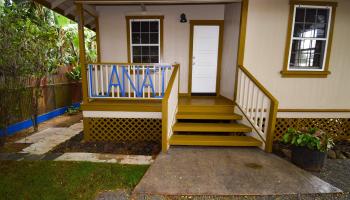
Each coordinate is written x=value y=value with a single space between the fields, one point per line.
x=312 y=110
x=241 y=45
x=308 y=74
x=122 y=114
x=219 y=23
x=161 y=19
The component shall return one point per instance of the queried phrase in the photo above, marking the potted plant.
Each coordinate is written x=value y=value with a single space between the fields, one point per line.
x=309 y=147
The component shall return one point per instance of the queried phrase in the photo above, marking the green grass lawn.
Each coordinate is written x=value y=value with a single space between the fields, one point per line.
x=64 y=180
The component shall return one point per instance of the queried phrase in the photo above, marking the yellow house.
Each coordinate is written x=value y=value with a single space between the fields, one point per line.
x=213 y=72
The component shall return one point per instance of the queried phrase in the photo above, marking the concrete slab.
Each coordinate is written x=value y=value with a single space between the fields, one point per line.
x=227 y=171
x=106 y=158
x=47 y=139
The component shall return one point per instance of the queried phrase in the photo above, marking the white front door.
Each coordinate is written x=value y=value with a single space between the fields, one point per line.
x=205 y=58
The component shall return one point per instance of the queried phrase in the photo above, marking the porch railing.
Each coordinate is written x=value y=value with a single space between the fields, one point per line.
x=257 y=104
x=169 y=107
x=128 y=80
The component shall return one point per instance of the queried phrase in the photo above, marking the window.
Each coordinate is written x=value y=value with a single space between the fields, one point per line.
x=309 y=41
x=145 y=39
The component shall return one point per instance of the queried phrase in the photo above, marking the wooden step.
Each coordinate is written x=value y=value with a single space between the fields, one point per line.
x=210 y=127
x=199 y=140
x=228 y=109
x=208 y=116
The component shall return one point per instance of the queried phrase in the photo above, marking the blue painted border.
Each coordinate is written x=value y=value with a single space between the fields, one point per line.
x=13 y=128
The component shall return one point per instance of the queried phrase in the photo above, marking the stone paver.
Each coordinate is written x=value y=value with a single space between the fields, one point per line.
x=47 y=139
x=227 y=171
x=106 y=158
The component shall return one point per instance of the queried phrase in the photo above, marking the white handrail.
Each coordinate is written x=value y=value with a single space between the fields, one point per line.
x=257 y=104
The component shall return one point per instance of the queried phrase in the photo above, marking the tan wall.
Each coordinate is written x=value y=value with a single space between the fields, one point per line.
x=176 y=35
x=264 y=54
x=230 y=48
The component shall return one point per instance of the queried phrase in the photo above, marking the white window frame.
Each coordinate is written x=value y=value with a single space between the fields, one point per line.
x=298 y=38
x=132 y=45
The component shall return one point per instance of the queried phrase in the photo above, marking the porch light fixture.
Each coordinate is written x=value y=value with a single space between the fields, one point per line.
x=183 y=18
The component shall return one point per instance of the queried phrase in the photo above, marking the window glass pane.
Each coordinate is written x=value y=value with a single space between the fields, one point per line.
x=144 y=38
x=154 y=59
x=135 y=27
x=153 y=50
x=298 y=30
x=292 y=60
x=144 y=26
x=309 y=31
x=320 y=46
x=136 y=38
x=154 y=38
x=299 y=14
x=317 y=61
x=145 y=50
x=136 y=59
x=310 y=15
x=136 y=50
x=154 y=26
x=304 y=53
x=322 y=15
x=308 y=41
x=144 y=33
x=321 y=30
x=146 y=59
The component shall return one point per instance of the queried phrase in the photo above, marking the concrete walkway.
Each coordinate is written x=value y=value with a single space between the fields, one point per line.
x=227 y=171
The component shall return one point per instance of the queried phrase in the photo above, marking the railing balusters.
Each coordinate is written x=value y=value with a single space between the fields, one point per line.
x=96 y=79
x=134 y=78
x=257 y=104
x=251 y=112
x=257 y=108
x=106 y=79
x=118 y=95
x=143 y=79
x=248 y=98
x=261 y=119
x=154 y=81
x=101 y=80
x=121 y=80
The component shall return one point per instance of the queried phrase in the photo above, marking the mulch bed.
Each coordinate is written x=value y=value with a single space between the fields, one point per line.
x=77 y=144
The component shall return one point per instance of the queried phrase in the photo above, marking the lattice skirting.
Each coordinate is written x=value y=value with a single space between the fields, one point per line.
x=122 y=129
x=338 y=127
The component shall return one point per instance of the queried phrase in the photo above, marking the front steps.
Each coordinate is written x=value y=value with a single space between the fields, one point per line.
x=209 y=121
x=211 y=127
x=201 y=140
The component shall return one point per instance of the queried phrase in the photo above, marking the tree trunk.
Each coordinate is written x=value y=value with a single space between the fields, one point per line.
x=36 y=95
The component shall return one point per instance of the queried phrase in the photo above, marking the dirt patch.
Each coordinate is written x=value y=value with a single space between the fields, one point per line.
x=60 y=121
x=13 y=147
x=77 y=144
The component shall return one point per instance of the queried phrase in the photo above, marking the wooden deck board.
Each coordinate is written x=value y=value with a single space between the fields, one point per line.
x=210 y=127
x=202 y=140
x=213 y=116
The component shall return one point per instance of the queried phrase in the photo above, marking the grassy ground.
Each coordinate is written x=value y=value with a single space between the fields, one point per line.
x=64 y=180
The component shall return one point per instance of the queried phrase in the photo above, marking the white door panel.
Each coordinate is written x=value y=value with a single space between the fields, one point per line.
x=205 y=58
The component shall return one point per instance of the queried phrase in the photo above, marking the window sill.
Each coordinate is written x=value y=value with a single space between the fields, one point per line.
x=305 y=74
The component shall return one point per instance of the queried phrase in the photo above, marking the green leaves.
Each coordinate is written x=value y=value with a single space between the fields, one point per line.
x=311 y=138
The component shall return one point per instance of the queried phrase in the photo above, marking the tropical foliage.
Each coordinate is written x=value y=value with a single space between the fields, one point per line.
x=312 y=138
x=34 y=43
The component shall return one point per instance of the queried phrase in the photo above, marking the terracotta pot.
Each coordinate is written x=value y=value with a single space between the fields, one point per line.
x=308 y=159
